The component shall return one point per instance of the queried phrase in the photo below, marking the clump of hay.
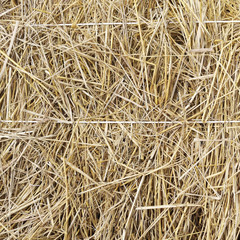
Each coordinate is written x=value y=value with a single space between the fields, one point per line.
x=119 y=119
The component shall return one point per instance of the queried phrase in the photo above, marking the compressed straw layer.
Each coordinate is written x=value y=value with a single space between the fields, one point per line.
x=119 y=119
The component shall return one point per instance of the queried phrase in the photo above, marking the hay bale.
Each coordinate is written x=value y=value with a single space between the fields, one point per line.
x=119 y=119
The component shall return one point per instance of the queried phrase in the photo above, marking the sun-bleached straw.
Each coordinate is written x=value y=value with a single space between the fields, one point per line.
x=223 y=21
x=168 y=206
x=9 y=49
x=121 y=122
x=133 y=204
x=9 y=10
x=116 y=23
x=82 y=24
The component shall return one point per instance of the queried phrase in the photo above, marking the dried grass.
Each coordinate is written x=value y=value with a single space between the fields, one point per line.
x=77 y=80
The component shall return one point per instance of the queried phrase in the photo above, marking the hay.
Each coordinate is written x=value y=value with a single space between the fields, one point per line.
x=119 y=119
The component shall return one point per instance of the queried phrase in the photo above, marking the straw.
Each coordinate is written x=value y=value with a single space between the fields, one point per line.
x=119 y=120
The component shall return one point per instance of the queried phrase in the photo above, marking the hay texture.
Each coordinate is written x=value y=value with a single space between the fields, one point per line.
x=119 y=119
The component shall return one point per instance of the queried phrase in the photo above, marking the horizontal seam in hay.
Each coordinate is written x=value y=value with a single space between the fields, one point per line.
x=122 y=122
x=118 y=23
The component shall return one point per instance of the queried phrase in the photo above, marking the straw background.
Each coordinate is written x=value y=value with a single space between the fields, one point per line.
x=64 y=179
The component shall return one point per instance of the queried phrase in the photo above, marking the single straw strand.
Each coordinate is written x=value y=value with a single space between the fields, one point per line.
x=117 y=23
x=122 y=122
x=83 y=24
x=9 y=50
x=223 y=21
